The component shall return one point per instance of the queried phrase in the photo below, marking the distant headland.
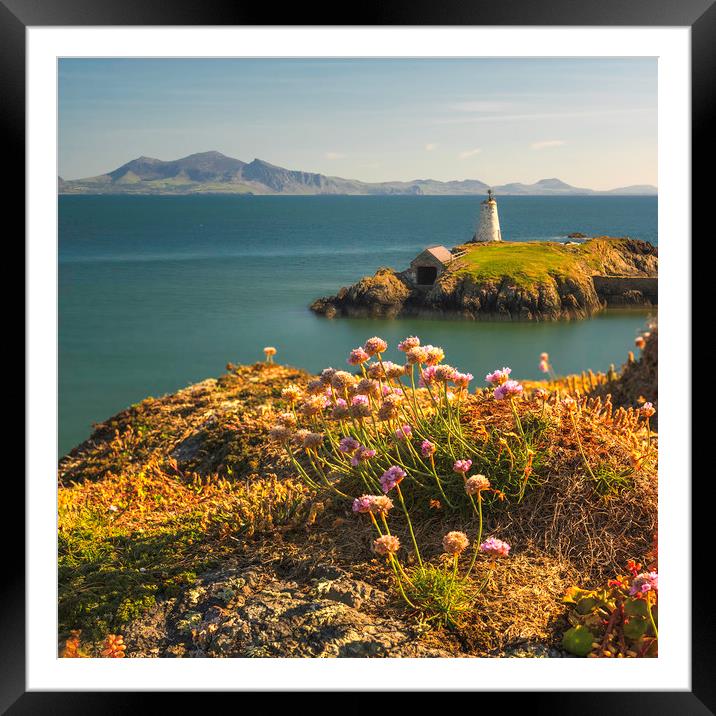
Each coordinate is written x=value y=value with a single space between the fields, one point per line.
x=215 y=173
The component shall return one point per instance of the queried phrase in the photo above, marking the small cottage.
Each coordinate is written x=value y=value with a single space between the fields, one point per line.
x=429 y=264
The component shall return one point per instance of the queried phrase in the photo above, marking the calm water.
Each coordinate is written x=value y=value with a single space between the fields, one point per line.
x=159 y=292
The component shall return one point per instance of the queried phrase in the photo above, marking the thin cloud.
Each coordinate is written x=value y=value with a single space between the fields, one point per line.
x=431 y=147
x=469 y=153
x=334 y=155
x=541 y=115
x=482 y=106
x=546 y=144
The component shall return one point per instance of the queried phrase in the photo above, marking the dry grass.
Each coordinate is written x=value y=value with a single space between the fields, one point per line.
x=173 y=486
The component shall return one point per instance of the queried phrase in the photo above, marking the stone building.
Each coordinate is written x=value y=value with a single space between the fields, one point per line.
x=428 y=265
x=488 y=228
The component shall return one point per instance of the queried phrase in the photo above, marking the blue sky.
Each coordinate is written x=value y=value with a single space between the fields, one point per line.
x=590 y=122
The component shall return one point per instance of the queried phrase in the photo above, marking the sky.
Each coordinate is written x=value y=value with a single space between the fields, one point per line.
x=589 y=122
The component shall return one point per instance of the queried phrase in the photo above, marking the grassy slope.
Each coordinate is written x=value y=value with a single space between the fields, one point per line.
x=527 y=263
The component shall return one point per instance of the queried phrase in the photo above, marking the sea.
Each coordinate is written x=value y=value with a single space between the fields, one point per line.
x=158 y=292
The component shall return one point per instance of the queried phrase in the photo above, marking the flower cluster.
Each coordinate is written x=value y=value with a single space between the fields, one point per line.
x=374 y=504
x=394 y=427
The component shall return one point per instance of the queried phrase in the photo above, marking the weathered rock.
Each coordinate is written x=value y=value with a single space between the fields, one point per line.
x=381 y=295
x=258 y=613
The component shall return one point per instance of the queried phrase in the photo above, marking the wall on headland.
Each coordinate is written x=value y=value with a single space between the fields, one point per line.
x=627 y=290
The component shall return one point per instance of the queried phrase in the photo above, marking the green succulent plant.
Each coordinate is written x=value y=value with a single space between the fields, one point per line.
x=578 y=640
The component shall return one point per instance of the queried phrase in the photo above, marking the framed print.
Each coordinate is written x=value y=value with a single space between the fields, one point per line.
x=342 y=353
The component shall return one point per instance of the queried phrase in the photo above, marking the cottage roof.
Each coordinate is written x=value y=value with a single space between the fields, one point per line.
x=440 y=253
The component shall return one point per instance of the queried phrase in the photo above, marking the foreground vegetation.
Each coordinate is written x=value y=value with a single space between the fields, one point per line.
x=485 y=506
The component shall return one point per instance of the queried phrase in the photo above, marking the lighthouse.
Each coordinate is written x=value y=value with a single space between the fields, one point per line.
x=488 y=228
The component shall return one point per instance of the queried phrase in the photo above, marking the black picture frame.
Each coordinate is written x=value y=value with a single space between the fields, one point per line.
x=699 y=15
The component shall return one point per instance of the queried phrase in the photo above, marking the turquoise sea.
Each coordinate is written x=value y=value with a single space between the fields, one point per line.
x=159 y=292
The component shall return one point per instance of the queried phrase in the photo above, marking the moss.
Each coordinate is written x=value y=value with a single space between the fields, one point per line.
x=136 y=526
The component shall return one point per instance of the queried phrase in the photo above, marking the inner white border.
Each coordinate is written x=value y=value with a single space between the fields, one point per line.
x=671 y=671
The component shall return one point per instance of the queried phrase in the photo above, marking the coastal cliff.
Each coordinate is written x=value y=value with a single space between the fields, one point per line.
x=511 y=281
x=185 y=531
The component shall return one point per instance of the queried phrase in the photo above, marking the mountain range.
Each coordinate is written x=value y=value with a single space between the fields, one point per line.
x=215 y=173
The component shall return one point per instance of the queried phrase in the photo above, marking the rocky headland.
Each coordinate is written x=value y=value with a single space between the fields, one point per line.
x=534 y=281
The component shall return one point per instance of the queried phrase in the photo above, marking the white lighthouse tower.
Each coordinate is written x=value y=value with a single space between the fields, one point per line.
x=488 y=228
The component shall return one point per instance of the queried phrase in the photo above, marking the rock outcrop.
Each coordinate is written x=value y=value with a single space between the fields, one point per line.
x=470 y=293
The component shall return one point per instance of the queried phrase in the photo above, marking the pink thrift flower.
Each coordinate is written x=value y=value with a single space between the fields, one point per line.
x=385 y=545
x=508 y=389
x=391 y=477
x=427 y=448
x=404 y=432
x=327 y=375
x=375 y=345
x=444 y=373
x=644 y=582
x=408 y=343
x=462 y=466
x=362 y=504
x=416 y=355
x=461 y=380
x=455 y=543
x=498 y=377
x=646 y=410
x=381 y=504
x=361 y=455
x=348 y=445
x=434 y=355
x=358 y=356
x=360 y=400
x=495 y=547
x=476 y=484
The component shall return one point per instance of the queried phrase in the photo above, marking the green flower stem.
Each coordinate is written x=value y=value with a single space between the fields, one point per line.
x=478 y=541
x=415 y=393
x=451 y=588
x=400 y=567
x=651 y=616
x=410 y=526
x=439 y=484
x=300 y=469
x=518 y=422
x=321 y=472
x=393 y=562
